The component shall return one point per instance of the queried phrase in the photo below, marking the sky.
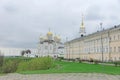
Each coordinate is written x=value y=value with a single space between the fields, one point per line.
x=23 y=21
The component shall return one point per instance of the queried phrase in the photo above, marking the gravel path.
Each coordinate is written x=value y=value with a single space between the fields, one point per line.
x=63 y=76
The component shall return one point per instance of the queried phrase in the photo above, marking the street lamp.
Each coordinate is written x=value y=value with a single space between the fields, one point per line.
x=101 y=42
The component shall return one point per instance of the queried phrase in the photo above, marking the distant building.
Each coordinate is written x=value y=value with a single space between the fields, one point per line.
x=50 y=45
x=15 y=52
x=103 y=45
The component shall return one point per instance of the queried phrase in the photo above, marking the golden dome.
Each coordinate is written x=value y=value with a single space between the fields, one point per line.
x=49 y=33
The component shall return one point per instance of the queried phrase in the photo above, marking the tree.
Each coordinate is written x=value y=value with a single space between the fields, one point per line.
x=28 y=52
x=22 y=53
x=1 y=59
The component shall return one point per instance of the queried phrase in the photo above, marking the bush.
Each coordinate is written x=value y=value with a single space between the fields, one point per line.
x=10 y=66
x=117 y=63
x=96 y=61
x=78 y=60
x=91 y=60
x=60 y=58
x=42 y=63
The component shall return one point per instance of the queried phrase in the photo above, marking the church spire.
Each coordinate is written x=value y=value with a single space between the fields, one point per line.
x=82 y=24
x=82 y=28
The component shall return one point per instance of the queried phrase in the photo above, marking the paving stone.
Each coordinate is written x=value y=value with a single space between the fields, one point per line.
x=63 y=76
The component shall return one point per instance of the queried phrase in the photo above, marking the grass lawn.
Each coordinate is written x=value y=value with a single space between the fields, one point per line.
x=72 y=67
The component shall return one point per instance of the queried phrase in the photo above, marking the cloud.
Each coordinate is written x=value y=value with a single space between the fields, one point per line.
x=22 y=21
x=10 y=8
x=93 y=13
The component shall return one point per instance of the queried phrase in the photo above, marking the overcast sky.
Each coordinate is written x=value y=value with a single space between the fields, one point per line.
x=22 y=21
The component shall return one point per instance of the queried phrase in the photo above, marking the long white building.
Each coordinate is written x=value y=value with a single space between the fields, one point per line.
x=16 y=51
x=102 y=45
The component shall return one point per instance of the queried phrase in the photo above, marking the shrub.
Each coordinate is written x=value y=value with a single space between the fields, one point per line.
x=60 y=58
x=78 y=60
x=91 y=60
x=42 y=63
x=117 y=63
x=9 y=66
x=96 y=61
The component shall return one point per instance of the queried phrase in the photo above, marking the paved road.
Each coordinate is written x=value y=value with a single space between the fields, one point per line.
x=63 y=76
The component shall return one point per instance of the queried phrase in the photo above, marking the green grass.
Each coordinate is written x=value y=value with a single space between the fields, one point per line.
x=72 y=67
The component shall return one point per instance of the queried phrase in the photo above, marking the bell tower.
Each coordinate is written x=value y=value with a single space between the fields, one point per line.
x=82 y=28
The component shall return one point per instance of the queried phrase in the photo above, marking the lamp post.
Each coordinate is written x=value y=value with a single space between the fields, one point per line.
x=101 y=42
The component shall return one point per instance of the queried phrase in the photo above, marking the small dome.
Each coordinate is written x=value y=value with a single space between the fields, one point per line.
x=49 y=33
x=41 y=37
x=45 y=38
x=57 y=38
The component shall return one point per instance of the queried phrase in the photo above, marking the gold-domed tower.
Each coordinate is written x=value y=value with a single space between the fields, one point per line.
x=49 y=35
x=82 y=28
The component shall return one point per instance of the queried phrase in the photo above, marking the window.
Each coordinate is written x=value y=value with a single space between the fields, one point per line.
x=115 y=58
x=110 y=38
x=110 y=49
x=119 y=49
x=46 y=47
x=50 y=47
x=114 y=37
x=118 y=37
x=114 y=49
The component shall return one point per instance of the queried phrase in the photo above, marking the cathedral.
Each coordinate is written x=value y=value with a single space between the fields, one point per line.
x=50 y=45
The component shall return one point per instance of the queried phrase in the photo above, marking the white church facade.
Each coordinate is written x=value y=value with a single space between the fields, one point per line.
x=50 y=45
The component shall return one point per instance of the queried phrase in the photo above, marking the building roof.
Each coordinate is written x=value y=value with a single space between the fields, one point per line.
x=95 y=33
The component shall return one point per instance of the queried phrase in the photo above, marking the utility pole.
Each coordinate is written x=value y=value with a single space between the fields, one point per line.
x=101 y=42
